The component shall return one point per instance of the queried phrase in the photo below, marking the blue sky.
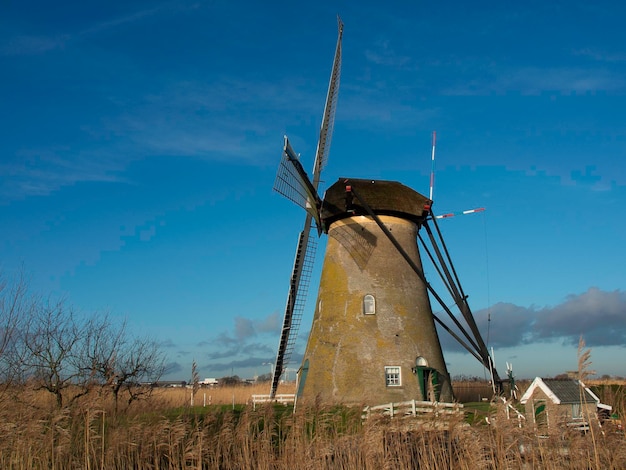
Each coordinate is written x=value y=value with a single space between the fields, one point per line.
x=140 y=142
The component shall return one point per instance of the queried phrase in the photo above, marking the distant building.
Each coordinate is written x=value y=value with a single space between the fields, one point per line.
x=208 y=382
x=170 y=383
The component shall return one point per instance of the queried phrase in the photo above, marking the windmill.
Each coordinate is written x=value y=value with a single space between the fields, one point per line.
x=514 y=390
x=374 y=337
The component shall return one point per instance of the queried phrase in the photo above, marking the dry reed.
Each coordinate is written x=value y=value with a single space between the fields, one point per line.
x=166 y=433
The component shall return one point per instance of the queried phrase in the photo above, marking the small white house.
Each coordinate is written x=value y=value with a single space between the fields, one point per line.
x=554 y=403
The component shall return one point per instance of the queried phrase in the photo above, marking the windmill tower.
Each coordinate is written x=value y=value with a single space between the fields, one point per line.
x=373 y=329
x=373 y=338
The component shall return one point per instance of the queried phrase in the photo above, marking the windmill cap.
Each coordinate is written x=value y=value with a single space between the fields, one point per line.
x=383 y=197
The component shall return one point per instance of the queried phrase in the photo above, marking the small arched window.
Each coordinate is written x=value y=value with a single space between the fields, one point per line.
x=369 y=305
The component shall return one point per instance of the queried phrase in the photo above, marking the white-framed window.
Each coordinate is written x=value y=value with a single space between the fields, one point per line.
x=369 y=305
x=393 y=377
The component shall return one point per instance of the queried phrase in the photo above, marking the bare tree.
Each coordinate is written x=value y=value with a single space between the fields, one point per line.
x=138 y=366
x=118 y=363
x=46 y=344
x=50 y=346
x=15 y=306
x=102 y=343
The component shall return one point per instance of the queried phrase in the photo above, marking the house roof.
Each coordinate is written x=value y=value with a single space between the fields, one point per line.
x=561 y=391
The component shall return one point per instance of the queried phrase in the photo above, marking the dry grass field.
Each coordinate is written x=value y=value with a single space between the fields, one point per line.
x=237 y=394
x=165 y=432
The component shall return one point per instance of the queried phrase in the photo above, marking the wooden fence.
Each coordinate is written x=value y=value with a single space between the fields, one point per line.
x=284 y=398
x=414 y=408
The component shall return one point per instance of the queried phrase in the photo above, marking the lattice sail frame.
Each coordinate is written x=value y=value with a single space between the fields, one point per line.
x=293 y=183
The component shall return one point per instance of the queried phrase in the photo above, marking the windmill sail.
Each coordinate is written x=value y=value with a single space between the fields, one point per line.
x=470 y=337
x=328 y=119
x=441 y=260
x=293 y=183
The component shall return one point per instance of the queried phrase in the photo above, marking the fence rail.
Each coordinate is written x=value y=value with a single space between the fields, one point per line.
x=284 y=398
x=414 y=408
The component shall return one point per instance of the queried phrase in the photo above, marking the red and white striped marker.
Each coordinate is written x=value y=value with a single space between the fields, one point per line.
x=452 y=214
x=432 y=167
